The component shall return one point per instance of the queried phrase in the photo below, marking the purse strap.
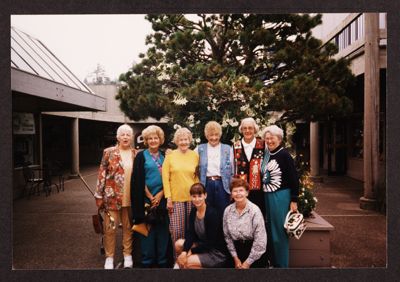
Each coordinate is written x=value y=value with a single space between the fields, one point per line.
x=86 y=185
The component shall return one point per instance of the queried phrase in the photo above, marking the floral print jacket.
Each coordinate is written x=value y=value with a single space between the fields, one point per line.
x=110 y=180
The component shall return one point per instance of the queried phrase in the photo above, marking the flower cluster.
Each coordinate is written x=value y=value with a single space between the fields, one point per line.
x=179 y=100
x=226 y=100
x=306 y=202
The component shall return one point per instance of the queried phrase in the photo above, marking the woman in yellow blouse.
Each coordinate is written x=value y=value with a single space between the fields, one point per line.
x=179 y=174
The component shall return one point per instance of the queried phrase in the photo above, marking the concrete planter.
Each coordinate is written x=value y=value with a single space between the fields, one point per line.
x=314 y=247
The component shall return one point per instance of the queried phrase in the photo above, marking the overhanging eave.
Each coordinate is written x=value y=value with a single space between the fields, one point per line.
x=71 y=98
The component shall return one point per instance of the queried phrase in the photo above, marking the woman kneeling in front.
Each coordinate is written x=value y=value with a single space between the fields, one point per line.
x=204 y=244
x=244 y=228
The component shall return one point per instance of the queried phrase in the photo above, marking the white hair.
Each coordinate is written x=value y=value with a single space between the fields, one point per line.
x=250 y=120
x=273 y=130
x=183 y=131
x=124 y=128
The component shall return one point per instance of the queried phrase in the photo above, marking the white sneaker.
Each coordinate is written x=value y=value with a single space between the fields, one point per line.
x=109 y=264
x=176 y=266
x=128 y=263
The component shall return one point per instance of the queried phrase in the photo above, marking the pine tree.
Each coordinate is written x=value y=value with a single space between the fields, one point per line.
x=227 y=67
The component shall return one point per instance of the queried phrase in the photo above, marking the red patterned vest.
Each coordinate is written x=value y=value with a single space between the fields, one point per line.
x=249 y=170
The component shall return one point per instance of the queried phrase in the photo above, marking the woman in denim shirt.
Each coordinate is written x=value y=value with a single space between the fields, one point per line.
x=215 y=167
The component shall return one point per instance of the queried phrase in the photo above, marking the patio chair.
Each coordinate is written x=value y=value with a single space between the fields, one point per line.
x=32 y=181
x=56 y=173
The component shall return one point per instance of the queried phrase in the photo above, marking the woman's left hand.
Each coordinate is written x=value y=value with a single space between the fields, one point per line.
x=170 y=206
x=156 y=199
x=293 y=206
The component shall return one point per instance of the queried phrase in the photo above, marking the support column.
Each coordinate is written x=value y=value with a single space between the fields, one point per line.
x=371 y=111
x=75 y=148
x=314 y=152
x=40 y=140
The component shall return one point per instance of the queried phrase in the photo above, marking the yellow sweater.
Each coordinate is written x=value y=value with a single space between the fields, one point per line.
x=178 y=174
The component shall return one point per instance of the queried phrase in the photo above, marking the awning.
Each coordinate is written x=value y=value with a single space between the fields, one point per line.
x=41 y=82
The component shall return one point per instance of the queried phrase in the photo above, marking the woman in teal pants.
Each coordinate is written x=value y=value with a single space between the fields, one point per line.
x=147 y=189
x=281 y=187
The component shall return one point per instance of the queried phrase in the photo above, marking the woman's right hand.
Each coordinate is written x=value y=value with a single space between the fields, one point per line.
x=170 y=206
x=99 y=202
x=182 y=259
x=238 y=263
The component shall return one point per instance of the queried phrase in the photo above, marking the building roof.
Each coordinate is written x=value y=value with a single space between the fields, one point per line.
x=37 y=72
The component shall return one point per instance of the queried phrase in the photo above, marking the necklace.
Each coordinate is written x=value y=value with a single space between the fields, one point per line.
x=155 y=155
x=274 y=153
x=156 y=159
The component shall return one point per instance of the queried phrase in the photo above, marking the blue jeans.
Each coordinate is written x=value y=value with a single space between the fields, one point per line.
x=216 y=195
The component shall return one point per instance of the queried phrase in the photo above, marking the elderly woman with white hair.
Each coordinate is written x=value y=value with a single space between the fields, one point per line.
x=215 y=167
x=281 y=187
x=248 y=155
x=113 y=193
x=179 y=173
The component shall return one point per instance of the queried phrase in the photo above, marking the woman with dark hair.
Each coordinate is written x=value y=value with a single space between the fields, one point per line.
x=244 y=228
x=204 y=244
x=147 y=189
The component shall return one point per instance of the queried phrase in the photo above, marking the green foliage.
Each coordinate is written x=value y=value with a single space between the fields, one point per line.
x=306 y=202
x=227 y=67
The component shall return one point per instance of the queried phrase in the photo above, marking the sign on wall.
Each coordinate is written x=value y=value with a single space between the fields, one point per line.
x=23 y=123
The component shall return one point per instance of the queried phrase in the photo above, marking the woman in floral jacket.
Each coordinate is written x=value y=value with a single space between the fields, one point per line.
x=113 y=193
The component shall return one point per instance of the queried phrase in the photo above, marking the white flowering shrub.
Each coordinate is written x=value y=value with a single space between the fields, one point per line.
x=227 y=102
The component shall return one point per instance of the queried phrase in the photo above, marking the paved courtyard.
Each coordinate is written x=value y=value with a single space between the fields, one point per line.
x=56 y=232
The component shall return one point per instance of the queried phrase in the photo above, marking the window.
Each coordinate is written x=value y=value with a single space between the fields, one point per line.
x=350 y=34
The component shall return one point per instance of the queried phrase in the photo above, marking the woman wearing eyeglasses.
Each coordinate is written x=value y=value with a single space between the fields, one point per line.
x=281 y=190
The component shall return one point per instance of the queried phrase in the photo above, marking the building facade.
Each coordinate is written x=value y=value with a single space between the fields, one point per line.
x=40 y=82
x=355 y=146
x=58 y=119
x=96 y=130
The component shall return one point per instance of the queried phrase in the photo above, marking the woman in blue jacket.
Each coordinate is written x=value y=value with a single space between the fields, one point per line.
x=204 y=244
x=215 y=166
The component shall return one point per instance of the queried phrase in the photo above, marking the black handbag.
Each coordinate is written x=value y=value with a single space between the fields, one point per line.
x=154 y=215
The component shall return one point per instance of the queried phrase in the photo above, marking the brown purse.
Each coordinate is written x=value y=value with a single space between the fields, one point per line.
x=97 y=219
x=98 y=222
x=141 y=228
